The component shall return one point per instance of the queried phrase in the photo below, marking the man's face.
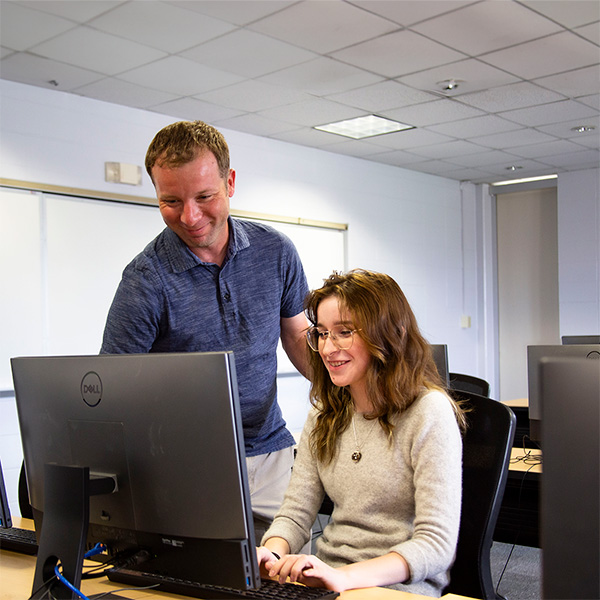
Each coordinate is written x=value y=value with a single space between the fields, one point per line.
x=194 y=203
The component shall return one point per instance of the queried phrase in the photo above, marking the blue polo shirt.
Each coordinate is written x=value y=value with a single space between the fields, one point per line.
x=170 y=301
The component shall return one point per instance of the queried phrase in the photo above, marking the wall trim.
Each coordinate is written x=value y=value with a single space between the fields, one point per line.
x=146 y=201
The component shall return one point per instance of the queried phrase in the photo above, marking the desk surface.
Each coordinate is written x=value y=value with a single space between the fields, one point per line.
x=16 y=578
x=527 y=460
x=518 y=403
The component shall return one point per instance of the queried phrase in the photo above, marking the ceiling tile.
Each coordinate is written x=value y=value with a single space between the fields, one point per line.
x=483 y=159
x=117 y=91
x=526 y=168
x=586 y=157
x=431 y=113
x=80 y=12
x=312 y=112
x=547 y=56
x=593 y=100
x=476 y=126
x=321 y=76
x=323 y=26
x=307 y=136
x=564 y=110
x=399 y=158
x=440 y=167
x=253 y=123
x=448 y=149
x=35 y=70
x=406 y=12
x=382 y=96
x=547 y=149
x=251 y=95
x=564 y=129
x=491 y=26
x=411 y=138
x=22 y=28
x=177 y=75
x=397 y=54
x=248 y=54
x=471 y=74
x=512 y=139
x=185 y=28
x=193 y=109
x=570 y=14
x=363 y=149
x=592 y=141
x=96 y=50
x=517 y=95
x=239 y=12
x=572 y=84
x=590 y=32
x=475 y=175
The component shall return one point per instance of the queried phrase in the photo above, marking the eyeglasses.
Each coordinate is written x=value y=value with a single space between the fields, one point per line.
x=341 y=336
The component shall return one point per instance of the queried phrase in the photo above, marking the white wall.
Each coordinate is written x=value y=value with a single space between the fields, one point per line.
x=421 y=229
x=579 y=252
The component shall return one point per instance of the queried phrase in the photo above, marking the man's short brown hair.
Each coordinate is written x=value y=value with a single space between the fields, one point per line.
x=180 y=143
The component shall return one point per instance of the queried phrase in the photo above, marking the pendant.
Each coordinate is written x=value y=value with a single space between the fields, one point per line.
x=356 y=456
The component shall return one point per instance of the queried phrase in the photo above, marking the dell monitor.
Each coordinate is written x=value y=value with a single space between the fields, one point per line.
x=535 y=354
x=143 y=453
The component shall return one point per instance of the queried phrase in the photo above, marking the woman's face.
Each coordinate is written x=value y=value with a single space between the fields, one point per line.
x=346 y=367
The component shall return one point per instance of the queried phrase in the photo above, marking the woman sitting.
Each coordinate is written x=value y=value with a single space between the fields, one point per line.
x=382 y=441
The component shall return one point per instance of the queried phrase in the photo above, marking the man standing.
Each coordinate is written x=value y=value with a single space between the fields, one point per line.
x=210 y=282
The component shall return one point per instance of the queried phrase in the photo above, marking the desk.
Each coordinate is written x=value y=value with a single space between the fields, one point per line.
x=518 y=521
x=16 y=579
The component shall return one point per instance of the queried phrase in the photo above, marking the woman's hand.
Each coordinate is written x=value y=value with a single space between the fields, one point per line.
x=309 y=570
x=266 y=559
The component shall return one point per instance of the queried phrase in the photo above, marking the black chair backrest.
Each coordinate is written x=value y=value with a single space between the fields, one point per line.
x=469 y=383
x=486 y=456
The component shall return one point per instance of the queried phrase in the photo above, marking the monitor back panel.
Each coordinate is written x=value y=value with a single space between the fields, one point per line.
x=570 y=510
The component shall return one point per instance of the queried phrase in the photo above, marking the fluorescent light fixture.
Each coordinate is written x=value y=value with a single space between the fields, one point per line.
x=525 y=179
x=363 y=127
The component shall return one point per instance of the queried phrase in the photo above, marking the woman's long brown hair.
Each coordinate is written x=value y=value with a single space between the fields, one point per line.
x=402 y=363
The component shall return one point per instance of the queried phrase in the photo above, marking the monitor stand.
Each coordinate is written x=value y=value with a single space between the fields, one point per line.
x=67 y=491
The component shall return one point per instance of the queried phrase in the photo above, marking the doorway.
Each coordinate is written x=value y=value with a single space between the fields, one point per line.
x=528 y=308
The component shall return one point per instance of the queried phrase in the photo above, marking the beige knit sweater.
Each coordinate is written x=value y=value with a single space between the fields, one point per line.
x=403 y=497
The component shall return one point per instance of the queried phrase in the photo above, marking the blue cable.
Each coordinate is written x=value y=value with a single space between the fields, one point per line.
x=68 y=584
x=97 y=549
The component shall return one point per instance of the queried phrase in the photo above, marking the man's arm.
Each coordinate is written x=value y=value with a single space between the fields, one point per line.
x=293 y=340
x=132 y=324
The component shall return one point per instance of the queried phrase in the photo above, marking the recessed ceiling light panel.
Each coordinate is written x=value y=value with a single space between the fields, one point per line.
x=364 y=127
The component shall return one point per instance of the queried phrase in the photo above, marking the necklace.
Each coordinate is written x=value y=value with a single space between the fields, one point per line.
x=357 y=454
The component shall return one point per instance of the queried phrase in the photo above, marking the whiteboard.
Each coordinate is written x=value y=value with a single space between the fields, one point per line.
x=61 y=259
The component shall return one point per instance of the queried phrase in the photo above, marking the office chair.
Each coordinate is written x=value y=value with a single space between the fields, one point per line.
x=487 y=444
x=469 y=383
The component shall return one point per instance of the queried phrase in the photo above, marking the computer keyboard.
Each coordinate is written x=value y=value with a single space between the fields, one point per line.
x=18 y=540
x=269 y=589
